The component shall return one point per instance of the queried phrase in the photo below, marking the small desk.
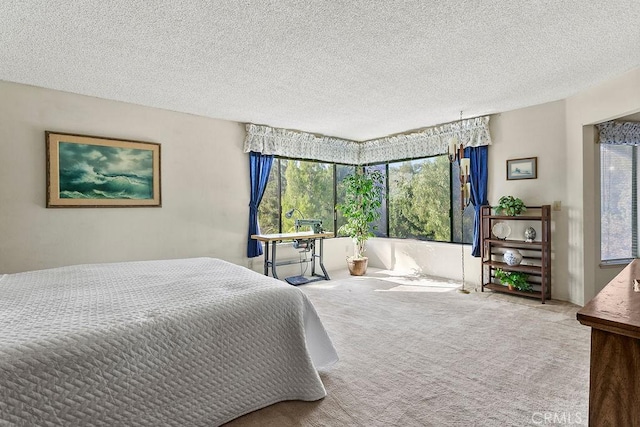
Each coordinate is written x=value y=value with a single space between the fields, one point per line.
x=614 y=317
x=283 y=237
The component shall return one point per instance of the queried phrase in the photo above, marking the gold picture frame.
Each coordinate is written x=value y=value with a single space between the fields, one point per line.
x=90 y=172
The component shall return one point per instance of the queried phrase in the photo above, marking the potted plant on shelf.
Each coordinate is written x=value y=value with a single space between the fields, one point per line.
x=513 y=280
x=510 y=206
x=361 y=208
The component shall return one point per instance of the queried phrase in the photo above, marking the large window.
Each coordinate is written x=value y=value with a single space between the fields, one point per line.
x=380 y=227
x=421 y=198
x=341 y=172
x=269 y=209
x=424 y=201
x=462 y=221
x=304 y=188
x=618 y=193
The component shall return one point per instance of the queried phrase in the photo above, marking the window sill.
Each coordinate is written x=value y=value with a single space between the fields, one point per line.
x=616 y=263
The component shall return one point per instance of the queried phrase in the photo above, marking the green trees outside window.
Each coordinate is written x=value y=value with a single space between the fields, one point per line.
x=421 y=198
x=307 y=187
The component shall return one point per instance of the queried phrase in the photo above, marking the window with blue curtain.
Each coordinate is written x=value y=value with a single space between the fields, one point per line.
x=479 y=184
x=422 y=197
x=259 y=170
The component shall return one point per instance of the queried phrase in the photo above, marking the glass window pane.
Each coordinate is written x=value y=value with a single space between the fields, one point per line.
x=269 y=209
x=380 y=226
x=419 y=199
x=341 y=172
x=307 y=187
x=465 y=221
x=421 y=193
x=616 y=192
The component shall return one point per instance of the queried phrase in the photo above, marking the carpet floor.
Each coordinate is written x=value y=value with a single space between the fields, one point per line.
x=413 y=352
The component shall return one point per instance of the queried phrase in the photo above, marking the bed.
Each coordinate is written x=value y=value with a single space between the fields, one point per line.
x=180 y=342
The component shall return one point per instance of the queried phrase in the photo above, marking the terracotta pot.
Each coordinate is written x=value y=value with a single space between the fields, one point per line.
x=510 y=287
x=357 y=267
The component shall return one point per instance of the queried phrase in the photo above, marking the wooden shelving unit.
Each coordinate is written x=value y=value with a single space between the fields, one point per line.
x=537 y=254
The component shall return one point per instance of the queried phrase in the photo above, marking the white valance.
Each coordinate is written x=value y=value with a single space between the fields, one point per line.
x=299 y=145
x=424 y=143
x=619 y=133
x=427 y=142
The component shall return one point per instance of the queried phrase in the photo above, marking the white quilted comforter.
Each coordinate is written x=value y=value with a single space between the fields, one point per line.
x=193 y=342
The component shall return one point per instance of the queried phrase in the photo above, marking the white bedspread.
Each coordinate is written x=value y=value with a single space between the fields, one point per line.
x=182 y=342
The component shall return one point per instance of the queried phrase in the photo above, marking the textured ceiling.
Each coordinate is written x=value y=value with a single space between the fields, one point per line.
x=356 y=69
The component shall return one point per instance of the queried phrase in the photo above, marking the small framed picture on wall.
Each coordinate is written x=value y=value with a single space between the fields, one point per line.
x=526 y=168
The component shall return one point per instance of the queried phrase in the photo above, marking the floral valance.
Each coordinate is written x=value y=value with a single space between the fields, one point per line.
x=427 y=142
x=619 y=133
x=299 y=145
x=424 y=143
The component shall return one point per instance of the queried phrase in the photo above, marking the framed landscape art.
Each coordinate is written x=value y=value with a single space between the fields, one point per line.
x=522 y=168
x=90 y=171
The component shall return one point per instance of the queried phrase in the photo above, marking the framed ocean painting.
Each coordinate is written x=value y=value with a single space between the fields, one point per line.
x=90 y=171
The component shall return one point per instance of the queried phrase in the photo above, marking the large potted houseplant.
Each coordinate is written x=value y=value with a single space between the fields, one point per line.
x=361 y=208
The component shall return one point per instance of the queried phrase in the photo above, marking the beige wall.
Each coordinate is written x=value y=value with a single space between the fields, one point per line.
x=529 y=132
x=561 y=134
x=202 y=214
x=428 y=258
x=537 y=131
x=205 y=188
x=615 y=98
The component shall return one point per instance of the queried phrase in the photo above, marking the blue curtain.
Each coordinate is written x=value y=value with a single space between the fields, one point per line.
x=259 y=169
x=479 y=183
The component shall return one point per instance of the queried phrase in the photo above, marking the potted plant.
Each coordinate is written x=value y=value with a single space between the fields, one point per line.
x=510 y=206
x=361 y=208
x=513 y=280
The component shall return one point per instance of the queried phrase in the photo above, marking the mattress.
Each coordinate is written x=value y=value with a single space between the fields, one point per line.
x=189 y=342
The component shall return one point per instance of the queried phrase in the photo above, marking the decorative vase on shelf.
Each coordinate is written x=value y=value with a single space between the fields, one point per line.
x=529 y=234
x=512 y=257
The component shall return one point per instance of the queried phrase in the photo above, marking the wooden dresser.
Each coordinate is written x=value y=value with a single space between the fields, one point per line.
x=614 y=317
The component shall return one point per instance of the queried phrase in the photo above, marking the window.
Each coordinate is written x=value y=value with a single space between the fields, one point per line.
x=423 y=194
x=618 y=202
x=419 y=198
x=467 y=221
x=305 y=187
x=380 y=226
x=341 y=172
x=269 y=209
